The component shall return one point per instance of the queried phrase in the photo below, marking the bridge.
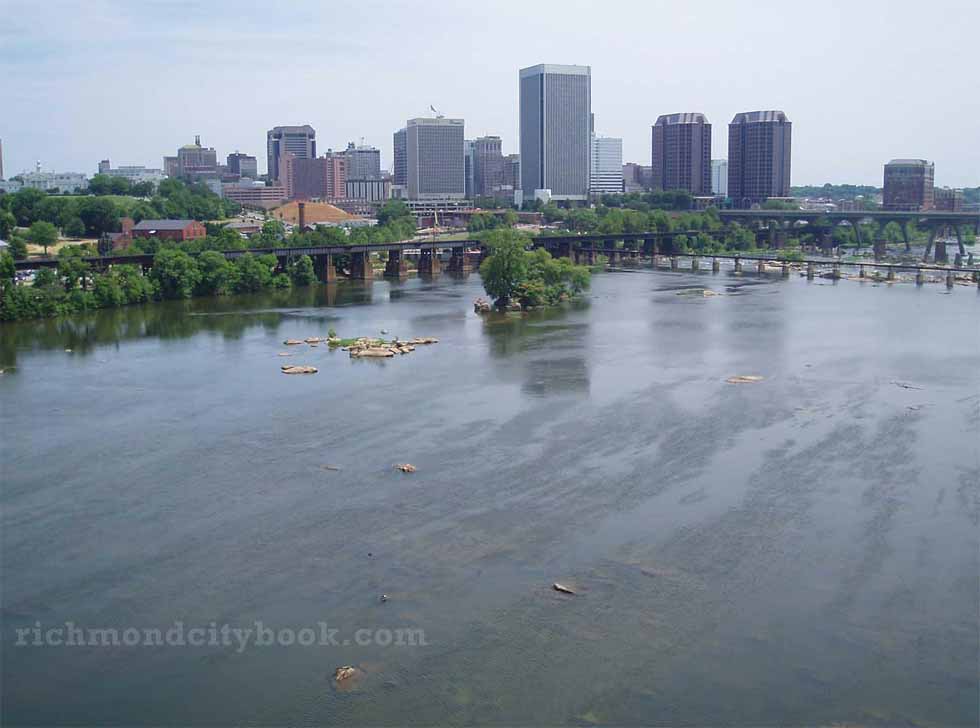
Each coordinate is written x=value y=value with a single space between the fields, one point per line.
x=464 y=255
x=780 y=223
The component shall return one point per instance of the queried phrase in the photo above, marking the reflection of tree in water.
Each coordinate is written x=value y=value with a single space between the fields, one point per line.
x=229 y=316
x=548 y=348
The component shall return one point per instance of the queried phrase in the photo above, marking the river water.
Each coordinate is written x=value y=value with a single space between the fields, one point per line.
x=800 y=550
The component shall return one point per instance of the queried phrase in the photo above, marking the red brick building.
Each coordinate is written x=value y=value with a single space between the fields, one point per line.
x=169 y=229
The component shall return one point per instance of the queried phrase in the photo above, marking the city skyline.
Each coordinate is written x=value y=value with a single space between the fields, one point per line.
x=716 y=59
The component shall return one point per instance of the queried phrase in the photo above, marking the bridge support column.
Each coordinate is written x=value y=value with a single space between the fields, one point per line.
x=324 y=268
x=695 y=264
x=785 y=270
x=397 y=266
x=715 y=265
x=959 y=241
x=880 y=249
x=949 y=279
x=932 y=239
x=918 y=277
x=890 y=276
x=861 y=271
x=673 y=262
x=429 y=263
x=941 y=255
x=810 y=271
x=565 y=251
x=760 y=267
x=835 y=272
x=649 y=247
x=905 y=235
x=612 y=255
x=360 y=267
x=738 y=265
x=459 y=263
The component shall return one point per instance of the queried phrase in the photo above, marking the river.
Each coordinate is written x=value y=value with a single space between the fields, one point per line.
x=798 y=550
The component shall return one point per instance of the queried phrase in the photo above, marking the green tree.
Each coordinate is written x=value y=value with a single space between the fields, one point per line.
x=7 y=270
x=175 y=273
x=24 y=204
x=254 y=272
x=506 y=267
x=43 y=233
x=301 y=271
x=7 y=224
x=72 y=270
x=393 y=211
x=99 y=214
x=45 y=277
x=75 y=228
x=18 y=246
x=217 y=274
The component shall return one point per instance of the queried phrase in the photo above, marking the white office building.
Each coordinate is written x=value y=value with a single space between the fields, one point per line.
x=606 y=171
x=719 y=177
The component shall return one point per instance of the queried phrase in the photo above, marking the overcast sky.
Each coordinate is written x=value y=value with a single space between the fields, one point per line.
x=862 y=81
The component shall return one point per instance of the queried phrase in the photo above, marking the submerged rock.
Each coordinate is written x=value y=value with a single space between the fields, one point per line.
x=406 y=468
x=562 y=588
x=299 y=369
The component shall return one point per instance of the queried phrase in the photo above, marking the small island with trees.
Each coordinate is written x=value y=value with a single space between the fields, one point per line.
x=518 y=278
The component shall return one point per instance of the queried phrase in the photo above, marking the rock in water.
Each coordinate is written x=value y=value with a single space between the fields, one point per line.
x=744 y=379
x=345 y=672
x=299 y=370
x=562 y=588
x=292 y=342
x=406 y=468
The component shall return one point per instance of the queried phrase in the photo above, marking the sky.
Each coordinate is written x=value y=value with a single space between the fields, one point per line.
x=131 y=80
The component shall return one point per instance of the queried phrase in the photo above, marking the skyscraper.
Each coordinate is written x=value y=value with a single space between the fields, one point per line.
x=909 y=185
x=363 y=162
x=194 y=160
x=681 y=153
x=606 y=176
x=759 y=147
x=434 y=159
x=488 y=165
x=399 y=163
x=296 y=140
x=244 y=165
x=555 y=115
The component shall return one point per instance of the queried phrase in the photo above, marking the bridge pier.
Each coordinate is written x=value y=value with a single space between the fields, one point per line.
x=861 y=271
x=941 y=255
x=324 y=268
x=360 y=267
x=932 y=239
x=760 y=267
x=810 y=271
x=949 y=279
x=715 y=265
x=695 y=264
x=397 y=265
x=459 y=263
x=918 y=277
x=738 y=264
x=890 y=276
x=958 y=260
x=785 y=270
x=429 y=264
x=673 y=262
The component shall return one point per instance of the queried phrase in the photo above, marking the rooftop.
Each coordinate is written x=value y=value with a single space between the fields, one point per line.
x=162 y=224
x=752 y=117
x=694 y=117
x=910 y=163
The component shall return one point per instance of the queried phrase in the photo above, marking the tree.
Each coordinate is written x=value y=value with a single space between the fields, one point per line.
x=175 y=272
x=43 y=233
x=24 y=203
x=301 y=271
x=253 y=272
x=100 y=184
x=393 y=211
x=99 y=214
x=75 y=228
x=216 y=274
x=18 y=247
x=7 y=270
x=507 y=266
x=7 y=224
x=72 y=270
x=45 y=277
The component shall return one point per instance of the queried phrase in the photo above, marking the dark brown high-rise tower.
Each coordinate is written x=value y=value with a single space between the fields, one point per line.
x=681 y=156
x=759 y=146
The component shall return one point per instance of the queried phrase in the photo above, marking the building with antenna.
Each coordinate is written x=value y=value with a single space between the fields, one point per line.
x=429 y=156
